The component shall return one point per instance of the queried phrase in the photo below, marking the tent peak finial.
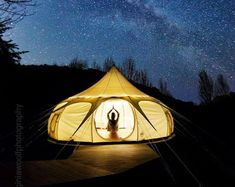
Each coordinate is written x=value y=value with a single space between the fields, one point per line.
x=114 y=67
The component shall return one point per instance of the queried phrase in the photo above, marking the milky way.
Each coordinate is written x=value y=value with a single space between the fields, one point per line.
x=171 y=39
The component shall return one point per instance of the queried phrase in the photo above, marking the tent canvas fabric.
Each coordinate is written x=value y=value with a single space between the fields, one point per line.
x=84 y=116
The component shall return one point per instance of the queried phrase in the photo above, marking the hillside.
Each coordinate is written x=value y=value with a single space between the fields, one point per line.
x=205 y=137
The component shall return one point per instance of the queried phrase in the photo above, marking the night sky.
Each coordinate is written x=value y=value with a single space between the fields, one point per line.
x=171 y=39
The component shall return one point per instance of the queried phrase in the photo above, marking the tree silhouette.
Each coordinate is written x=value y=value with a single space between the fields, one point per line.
x=78 y=64
x=108 y=63
x=205 y=87
x=96 y=66
x=9 y=52
x=163 y=88
x=221 y=86
x=128 y=68
x=12 y=11
x=141 y=77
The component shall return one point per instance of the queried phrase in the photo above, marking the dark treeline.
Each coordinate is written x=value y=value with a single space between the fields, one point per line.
x=207 y=88
x=128 y=68
x=210 y=89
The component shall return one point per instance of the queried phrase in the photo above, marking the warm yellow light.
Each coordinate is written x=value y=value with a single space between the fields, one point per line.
x=83 y=117
x=125 y=121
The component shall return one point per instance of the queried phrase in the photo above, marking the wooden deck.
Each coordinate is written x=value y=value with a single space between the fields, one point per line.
x=86 y=162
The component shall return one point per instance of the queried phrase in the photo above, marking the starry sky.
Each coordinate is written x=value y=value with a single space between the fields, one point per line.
x=171 y=39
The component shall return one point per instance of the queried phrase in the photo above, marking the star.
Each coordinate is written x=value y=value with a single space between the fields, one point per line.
x=172 y=40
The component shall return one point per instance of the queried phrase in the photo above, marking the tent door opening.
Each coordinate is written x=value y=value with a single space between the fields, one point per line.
x=114 y=119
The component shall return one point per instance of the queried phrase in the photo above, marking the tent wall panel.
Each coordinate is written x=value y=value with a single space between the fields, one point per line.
x=71 y=118
x=156 y=116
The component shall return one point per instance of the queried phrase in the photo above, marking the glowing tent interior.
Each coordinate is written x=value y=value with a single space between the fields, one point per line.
x=86 y=116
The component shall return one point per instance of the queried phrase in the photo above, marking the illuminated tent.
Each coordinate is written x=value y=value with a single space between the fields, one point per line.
x=83 y=117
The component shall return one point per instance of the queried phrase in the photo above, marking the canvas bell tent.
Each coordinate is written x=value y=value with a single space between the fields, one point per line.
x=85 y=117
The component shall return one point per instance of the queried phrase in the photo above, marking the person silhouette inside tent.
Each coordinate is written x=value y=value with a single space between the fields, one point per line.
x=113 y=122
